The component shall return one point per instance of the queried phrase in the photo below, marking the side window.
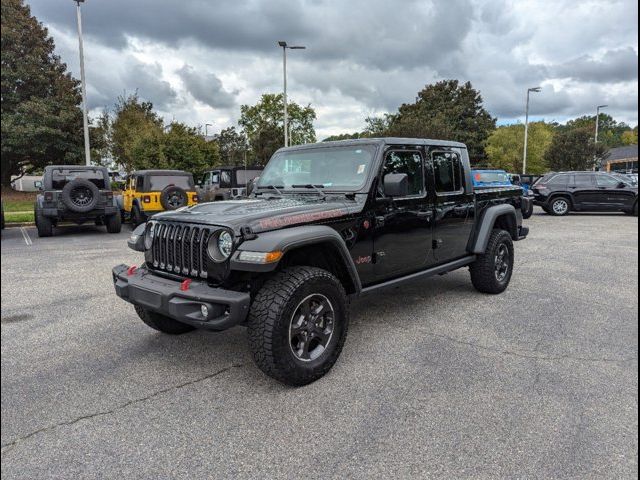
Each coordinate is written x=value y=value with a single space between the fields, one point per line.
x=409 y=162
x=559 y=180
x=215 y=178
x=607 y=181
x=447 y=169
x=583 y=180
x=140 y=182
x=225 y=178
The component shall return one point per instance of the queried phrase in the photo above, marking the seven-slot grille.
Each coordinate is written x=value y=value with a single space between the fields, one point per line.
x=181 y=248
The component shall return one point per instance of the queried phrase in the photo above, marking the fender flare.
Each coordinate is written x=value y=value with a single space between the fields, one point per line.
x=289 y=239
x=488 y=221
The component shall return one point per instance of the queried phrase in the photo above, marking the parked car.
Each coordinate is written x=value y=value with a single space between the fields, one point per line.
x=326 y=222
x=227 y=182
x=78 y=194
x=500 y=178
x=562 y=192
x=152 y=191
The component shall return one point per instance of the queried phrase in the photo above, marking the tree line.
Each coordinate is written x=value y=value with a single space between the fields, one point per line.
x=42 y=122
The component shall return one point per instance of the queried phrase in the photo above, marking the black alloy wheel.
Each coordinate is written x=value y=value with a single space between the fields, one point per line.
x=311 y=327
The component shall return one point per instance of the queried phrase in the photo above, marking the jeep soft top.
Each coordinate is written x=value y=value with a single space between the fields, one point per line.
x=326 y=222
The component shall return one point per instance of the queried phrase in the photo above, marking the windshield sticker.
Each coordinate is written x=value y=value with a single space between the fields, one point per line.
x=361 y=169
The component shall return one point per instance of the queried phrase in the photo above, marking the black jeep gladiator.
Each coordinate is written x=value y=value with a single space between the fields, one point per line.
x=325 y=223
x=78 y=194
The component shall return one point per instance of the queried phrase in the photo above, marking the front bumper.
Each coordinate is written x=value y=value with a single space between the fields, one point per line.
x=227 y=308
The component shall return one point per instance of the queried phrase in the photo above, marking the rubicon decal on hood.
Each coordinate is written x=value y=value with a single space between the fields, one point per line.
x=305 y=217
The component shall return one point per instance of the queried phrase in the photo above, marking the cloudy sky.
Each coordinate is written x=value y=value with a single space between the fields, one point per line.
x=199 y=60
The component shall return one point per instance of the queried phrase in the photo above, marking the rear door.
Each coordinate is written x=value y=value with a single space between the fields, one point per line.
x=583 y=190
x=454 y=206
x=402 y=236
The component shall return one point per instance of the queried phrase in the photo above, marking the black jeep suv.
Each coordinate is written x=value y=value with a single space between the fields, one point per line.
x=78 y=194
x=325 y=222
x=561 y=192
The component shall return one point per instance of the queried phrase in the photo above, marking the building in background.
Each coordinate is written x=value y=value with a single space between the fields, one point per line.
x=622 y=159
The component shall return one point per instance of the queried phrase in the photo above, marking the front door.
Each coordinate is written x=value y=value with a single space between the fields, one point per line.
x=613 y=196
x=454 y=207
x=402 y=240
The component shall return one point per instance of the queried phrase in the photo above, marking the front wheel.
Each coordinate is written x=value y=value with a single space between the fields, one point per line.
x=491 y=272
x=137 y=217
x=560 y=206
x=298 y=324
x=526 y=214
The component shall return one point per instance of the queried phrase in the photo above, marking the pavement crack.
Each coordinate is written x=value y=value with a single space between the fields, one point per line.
x=532 y=354
x=10 y=445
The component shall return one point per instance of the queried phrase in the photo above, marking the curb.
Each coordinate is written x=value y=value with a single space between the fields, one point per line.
x=20 y=224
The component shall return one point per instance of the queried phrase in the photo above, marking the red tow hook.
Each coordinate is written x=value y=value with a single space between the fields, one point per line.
x=184 y=286
x=131 y=270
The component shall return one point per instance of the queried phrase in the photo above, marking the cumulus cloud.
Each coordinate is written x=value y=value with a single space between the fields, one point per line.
x=614 y=66
x=206 y=88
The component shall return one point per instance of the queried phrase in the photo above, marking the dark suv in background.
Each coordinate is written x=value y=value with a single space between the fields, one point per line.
x=561 y=192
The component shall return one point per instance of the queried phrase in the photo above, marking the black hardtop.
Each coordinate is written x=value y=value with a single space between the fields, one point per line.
x=49 y=168
x=160 y=172
x=236 y=167
x=382 y=141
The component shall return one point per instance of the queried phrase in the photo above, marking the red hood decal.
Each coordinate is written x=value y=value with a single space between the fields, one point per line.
x=271 y=223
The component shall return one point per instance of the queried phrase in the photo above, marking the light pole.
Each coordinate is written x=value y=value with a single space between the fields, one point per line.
x=85 y=119
x=206 y=129
x=598 y=118
x=284 y=71
x=526 y=128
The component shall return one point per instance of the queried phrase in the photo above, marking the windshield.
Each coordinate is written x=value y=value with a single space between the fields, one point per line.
x=160 y=182
x=492 y=177
x=334 y=168
x=626 y=179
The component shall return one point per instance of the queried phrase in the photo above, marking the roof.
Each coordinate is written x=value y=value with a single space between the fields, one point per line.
x=237 y=167
x=622 y=153
x=379 y=141
x=160 y=172
x=74 y=167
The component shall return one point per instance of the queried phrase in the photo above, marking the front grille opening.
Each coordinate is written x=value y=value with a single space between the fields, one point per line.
x=181 y=249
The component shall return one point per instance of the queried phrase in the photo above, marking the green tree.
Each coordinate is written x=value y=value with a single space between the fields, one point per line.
x=134 y=123
x=574 y=149
x=343 y=136
x=446 y=110
x=184 y=148
x=505 y=147
x=234 y=147
x=630 y=137
x=263 y=125
x=610 y=131
x=100 y=140
x=40 y=114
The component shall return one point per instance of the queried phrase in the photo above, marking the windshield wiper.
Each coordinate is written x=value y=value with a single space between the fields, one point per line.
x=272 y=187
x=318 y=188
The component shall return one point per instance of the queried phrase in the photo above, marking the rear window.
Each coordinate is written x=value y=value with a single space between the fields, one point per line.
x=160 y=182
x=559 y=180
x=61 y=176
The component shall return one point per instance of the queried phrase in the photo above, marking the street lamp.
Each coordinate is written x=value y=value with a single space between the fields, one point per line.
x=284 y=70
x=206 y=128
x=598 y=118
x=85 y=119
x=526 y=128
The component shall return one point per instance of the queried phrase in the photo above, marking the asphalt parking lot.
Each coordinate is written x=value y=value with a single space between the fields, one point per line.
x=435 y=378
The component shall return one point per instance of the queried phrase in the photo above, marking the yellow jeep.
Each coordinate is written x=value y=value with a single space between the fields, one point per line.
x=152 y=191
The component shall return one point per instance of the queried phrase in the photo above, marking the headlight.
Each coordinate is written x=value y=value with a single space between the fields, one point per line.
x=149 y=234
x=220 y=246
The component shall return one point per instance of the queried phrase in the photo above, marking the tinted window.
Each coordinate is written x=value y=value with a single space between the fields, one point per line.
x=225 y=178
x=559 y=180
x=140 y=182
x=60 y=177
x=215 y=178
x=447 y=169
x=583 y=180
x=160 y=182
x=409 y=163
x=606 y=181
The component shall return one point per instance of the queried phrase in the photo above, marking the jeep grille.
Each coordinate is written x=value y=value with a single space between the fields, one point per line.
x=181 y=249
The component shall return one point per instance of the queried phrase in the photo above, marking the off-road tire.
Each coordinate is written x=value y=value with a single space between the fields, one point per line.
x=172 y=193
x=44 y=225
x=113 y=223
x=526 y=214
x=162 y=323
x=70 y=187
x=483 y=270
x=137 y=217
x=556 y=212
x=270 y=317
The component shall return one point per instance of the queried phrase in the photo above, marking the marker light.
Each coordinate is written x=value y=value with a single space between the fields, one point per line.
x=260 y=257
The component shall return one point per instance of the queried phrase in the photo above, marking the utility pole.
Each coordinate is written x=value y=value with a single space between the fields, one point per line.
x=526 y=128
x=284 y=46
x=85 y=118
x=596 y=163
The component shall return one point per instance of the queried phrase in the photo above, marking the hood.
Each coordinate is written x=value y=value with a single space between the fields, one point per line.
x=263 y=214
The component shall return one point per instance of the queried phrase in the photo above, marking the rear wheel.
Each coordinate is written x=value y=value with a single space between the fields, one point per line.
x=298 y=324
x=44 y=225
x=560 y=206
x=114 y=223
x=136 y=216
x=491 y=272
x=162 y=323
x=528 y=211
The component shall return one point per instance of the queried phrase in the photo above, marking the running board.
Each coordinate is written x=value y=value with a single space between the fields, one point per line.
x=439 y=270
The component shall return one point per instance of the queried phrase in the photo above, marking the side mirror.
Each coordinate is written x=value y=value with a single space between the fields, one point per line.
x=136 y=240
x=396 y=185
x=38 y=184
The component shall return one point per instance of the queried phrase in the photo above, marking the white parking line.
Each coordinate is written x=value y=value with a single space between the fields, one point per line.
x=25 y=235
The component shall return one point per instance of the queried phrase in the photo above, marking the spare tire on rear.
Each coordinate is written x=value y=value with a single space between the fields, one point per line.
x=80 y=195
x=172 y=198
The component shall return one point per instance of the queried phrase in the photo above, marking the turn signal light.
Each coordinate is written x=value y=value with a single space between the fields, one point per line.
x=260 y=257
x=146 y=199
x=48 y=196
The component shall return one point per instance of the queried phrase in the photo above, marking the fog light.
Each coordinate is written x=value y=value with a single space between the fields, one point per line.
x=204 y=311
